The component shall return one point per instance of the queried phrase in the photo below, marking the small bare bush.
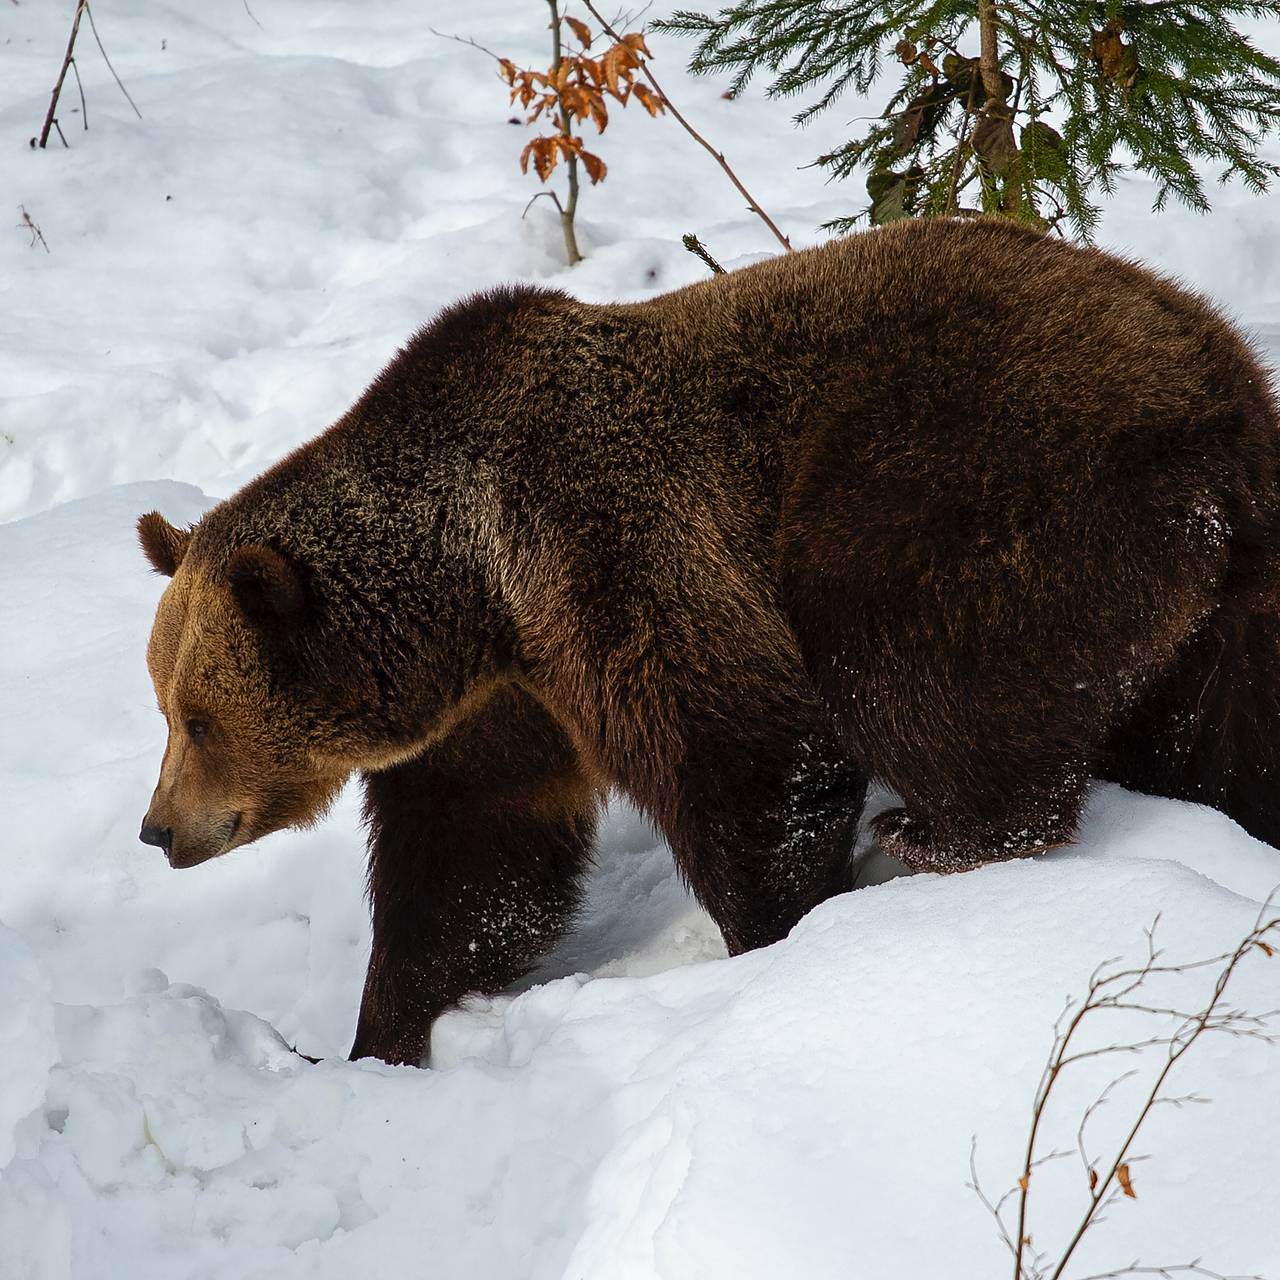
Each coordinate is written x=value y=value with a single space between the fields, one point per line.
x=1110 y=1178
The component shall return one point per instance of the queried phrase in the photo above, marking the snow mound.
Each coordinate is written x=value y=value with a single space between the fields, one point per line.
x=804 y=1110
x=27 y=1045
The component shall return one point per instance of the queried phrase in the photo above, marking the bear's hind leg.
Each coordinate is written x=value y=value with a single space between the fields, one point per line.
x=476 y=850
x=989 y=826
x=1208 y=729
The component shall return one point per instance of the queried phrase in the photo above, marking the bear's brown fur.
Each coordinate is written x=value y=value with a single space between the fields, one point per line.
x=949 y=504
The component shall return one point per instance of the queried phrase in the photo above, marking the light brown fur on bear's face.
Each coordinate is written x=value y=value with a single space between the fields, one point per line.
x=230 y=772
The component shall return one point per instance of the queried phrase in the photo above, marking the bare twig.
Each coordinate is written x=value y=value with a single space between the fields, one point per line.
x=253 y=15
x=69 y=62
x=1112 y=988
x=43 y=140
x=29 y=224
x=94 y=28
x=698 y=249
x=1096 y=1105
x=1181 y=1040
x=628 y=18
x=995 y=1210
x=475 y=44
x=718 y=156
x=84 y=106
x=1169 y=1273
x=537 y=195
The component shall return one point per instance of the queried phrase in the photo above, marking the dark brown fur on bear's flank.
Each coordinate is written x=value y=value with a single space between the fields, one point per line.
x=979 y=511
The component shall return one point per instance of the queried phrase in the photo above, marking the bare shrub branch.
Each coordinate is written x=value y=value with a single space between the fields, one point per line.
x=69 y=63
x=29 y=224
x=718 y=156
x=93 y=26
x=1117 y=989
x=49 y=121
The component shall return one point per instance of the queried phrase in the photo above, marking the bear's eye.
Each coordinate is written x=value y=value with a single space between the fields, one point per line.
x=197 y=729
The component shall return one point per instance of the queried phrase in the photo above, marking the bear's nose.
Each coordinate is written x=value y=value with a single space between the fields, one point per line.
x=161 y=837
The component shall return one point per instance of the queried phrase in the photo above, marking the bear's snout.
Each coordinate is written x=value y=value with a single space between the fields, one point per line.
x=161 y=837
x=186 y=844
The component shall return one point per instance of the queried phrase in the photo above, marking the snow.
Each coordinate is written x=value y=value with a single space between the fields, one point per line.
x=224 y=276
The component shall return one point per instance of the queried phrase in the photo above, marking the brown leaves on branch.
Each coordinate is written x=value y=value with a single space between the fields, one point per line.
x=910 y=55
x=578 y=90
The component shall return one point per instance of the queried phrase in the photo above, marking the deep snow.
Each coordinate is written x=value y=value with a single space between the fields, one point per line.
x=224 y=277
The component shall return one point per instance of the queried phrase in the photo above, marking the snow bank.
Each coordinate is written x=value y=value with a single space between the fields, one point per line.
x=806 y=1110
x=27 y=1046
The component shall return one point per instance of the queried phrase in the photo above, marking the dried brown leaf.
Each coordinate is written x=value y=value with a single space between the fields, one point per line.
x=543 y=153
x=575 y=101
x=993 y=140
x=618 y=66
x=580 y=30
x=599 y=112
x=1108 y=49
x=649 y=100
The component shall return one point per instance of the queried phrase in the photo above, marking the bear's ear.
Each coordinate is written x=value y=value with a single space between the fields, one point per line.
x=162 y=544
x=264 y=584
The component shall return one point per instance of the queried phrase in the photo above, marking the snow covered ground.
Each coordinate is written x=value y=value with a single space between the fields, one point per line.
x=225 y=275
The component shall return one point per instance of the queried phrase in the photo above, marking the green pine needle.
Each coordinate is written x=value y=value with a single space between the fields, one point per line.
x=1168 y=91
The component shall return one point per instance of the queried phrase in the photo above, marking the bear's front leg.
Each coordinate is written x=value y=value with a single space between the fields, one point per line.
x=476 y=849
x=765 y=825
x=747 y=781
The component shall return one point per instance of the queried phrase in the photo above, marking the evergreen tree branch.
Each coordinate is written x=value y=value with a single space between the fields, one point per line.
x=1170 y=86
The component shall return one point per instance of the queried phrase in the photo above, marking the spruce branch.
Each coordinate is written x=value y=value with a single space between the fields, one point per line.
x=1173 y=87
x=700 y=250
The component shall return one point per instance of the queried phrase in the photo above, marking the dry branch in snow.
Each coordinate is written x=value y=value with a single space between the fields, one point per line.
x=1111 y=1178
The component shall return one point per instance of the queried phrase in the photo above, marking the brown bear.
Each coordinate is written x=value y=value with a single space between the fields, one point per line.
x=948 y=504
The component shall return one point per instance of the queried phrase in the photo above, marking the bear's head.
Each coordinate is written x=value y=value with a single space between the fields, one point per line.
x=244 y=757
